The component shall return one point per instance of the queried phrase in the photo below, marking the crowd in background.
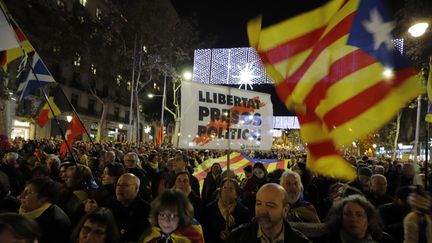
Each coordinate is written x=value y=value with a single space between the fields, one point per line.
x=126 y=192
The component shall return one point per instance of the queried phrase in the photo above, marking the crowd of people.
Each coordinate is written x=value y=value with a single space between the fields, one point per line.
x=126 y=192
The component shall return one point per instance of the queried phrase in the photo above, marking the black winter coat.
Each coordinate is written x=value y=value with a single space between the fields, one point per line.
x=55 y=225
x=247 y=233
x=131 y=220
x=214 y=223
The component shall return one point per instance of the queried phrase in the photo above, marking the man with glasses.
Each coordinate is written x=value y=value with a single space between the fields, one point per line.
x=130 y=210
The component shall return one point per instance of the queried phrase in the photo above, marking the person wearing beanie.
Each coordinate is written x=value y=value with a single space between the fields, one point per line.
x=363 y=178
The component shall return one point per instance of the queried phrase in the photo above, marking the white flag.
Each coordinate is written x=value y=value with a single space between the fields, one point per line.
x=8 y=39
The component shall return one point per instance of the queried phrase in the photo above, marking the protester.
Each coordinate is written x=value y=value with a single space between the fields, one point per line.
x=211 y=182
x=172 y=220
x=271 y=209
x=225 y=213
x=182 y=183
x=8 y=203
x=130 y=211
x=378 y=191
x=17 y=228
x=354 y=219
x=97 y=226
x=300 y=210
x=37 y=202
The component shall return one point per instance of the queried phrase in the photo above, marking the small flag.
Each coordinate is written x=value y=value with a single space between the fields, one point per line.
x=160 y=135
x=74 y=130
x=34 y=76
x=45 y=114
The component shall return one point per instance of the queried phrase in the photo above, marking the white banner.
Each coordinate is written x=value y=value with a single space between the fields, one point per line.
x=219 y=117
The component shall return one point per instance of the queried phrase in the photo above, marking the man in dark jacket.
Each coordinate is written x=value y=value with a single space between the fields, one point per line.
x=271 y=209
x=130 y=211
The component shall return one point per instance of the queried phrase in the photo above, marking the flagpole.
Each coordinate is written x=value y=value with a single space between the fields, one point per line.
x=426 y=156
x=163 y=110
x=77 y=115
x=52 y=111
x=429 y=91
x=229 y=137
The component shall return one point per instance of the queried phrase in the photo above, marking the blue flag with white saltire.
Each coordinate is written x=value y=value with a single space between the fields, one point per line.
x=34 y=75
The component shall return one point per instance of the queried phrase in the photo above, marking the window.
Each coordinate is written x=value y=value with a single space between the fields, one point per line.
x=56 y=49
x=116 y=113
x=60 y=3
x=119 y=79
x=93 y=69
x=77 y=60
x=105 y=90
x=74 y=100
x=91 y=106
x=126 y=120
x=98 y=13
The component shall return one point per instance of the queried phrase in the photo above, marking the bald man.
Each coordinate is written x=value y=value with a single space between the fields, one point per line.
x=130 y=211
x=378 y=191
x=271 y=208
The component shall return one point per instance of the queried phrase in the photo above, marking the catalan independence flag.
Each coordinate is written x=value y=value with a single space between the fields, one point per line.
x=237 y=162
x=336 y=66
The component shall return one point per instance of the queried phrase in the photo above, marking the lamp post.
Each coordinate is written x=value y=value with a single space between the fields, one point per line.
x=417 y=30
x=163 y=101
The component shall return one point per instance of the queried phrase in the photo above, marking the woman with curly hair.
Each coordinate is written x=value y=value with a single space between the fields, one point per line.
x=354 y=220
x=172 y=220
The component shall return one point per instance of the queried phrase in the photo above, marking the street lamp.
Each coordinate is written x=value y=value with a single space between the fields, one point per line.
x=69 y=118
x=418 y=29
x=147 y=129
x=153 y=95
x=187 y=75
x=121 y=126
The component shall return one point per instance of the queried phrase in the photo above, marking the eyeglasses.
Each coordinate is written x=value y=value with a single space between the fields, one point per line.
x=87 y=230
x=167 y=215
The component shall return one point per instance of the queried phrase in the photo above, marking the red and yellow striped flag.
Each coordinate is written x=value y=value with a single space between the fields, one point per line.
x=337 y=68
x=159 y=135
